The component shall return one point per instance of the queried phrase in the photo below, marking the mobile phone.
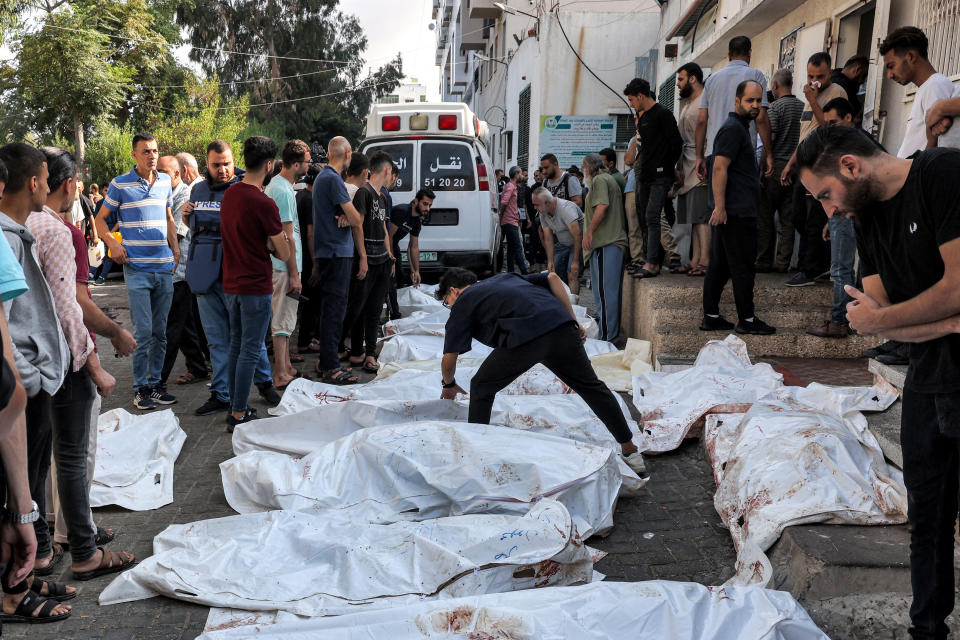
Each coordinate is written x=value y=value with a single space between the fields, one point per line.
x=297 y=296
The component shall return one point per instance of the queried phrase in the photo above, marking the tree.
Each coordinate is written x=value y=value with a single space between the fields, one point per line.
x=66 y=97
x=307 y=73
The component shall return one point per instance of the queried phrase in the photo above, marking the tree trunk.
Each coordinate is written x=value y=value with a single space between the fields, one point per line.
x=81 y=145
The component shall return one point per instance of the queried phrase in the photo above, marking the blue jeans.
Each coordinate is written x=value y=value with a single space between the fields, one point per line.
x=216 y=326
x=843 y=251
x=249 y=320
x=149 y=295
x=514 y=248
x=561 y=259
x=606 y=278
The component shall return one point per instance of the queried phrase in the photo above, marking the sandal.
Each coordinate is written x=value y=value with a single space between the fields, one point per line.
x=104 y=537
x=681 y=269
x=27 y=607
x=54 y=562
x=339 y=376
x=190 y=378
x=370 y=364
x=55 y=590
x=643 y=273
x=296 y=358
x=107 y=565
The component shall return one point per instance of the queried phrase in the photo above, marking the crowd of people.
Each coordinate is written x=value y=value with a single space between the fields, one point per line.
x=216 y=266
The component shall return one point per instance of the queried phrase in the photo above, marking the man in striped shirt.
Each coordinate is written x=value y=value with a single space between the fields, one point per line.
x=140 y=201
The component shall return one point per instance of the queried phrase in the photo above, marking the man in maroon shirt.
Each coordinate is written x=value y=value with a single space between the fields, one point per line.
x=251 y=230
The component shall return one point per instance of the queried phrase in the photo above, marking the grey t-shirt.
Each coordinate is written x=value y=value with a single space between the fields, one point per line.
x=719 y=92
x=566 y=214
x=952 y=137
x=564 y=191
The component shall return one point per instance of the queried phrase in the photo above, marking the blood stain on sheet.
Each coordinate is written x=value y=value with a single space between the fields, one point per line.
x=472 y=623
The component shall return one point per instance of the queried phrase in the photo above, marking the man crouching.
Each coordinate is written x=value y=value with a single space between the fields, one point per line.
x=526 y=320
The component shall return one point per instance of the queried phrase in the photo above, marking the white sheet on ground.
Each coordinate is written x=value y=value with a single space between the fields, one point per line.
x=800 y=455
x=721 y=381
x=420 y=298
x=135 y=459
x=409 y=384
x=407 y=347
x=424 y=470
x=314 y=565
x=565 y=416
x=656 y=610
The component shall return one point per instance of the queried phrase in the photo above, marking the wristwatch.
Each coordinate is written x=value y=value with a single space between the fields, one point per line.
x=22 y=518
x=449 y=385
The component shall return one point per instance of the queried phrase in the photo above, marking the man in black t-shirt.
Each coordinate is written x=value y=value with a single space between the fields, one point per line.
x=735 y=195
x=527 y=320
x=908 y=233
x=373 y=266
x=407 y=219
x=309 y=309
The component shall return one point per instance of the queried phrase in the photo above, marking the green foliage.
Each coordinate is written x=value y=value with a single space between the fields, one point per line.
x=304 y=29
x=109 y=152
x=204 y=115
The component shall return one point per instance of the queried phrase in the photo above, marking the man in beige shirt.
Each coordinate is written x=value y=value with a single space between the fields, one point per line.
x=692 y=207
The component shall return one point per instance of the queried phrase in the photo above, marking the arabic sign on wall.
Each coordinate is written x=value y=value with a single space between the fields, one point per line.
x=570 y=138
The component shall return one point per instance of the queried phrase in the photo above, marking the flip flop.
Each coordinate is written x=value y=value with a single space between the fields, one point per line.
x=190 y=378
x=339 y=376
x=371 y=368
x=108 y=557
x=30 y=602
x=103 y=537
x=296 y=358
x=643 y=273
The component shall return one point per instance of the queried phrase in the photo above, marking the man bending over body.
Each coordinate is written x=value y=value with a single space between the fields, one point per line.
x=526 y=320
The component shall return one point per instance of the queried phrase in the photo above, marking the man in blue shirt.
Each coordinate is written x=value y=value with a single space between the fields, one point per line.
x=333 y=217
x=141 y=201
x=527 y=320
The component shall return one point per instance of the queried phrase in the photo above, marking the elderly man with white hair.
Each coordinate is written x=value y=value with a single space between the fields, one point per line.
x=604 y=243
x=562 y=223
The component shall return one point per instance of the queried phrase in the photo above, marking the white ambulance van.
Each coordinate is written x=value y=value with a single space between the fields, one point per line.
x=437 y=146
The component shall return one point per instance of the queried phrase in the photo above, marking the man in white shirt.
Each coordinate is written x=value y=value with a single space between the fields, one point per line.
x=940 y=119
x=904 y=54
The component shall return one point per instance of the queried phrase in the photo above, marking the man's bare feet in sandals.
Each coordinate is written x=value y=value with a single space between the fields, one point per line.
x=39 y=607
x=370 y=364
x=101 y=563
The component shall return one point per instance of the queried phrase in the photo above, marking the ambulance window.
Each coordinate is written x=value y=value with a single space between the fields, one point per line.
x=446 y=166
x=402 y=154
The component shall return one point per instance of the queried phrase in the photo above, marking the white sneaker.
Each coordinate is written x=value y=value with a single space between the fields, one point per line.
x=635 y=462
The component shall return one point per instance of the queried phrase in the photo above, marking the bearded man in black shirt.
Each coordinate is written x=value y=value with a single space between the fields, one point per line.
x=908 y=234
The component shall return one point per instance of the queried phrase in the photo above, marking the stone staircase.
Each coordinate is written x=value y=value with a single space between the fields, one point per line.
x=667 y=311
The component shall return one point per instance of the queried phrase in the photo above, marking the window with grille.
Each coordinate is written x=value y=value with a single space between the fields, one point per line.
x=940 y=21
x=390 y=99
x=667 y=93
x=523 y=129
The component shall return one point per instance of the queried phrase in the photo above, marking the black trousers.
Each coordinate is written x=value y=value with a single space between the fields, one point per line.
x=560 y=351
x=363 y=309
x=816 y=252
x=930 y=440
x=184 y=333
x=733 y=249
x=309 y=313
x=39 y=416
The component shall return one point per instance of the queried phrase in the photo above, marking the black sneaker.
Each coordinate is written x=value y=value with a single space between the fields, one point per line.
x=249 y=416
x=142 y=399
x=755 y=327
x=212 y=405
x=801 y=280
x=715 y=324
x=160 y=395
x=269 y=393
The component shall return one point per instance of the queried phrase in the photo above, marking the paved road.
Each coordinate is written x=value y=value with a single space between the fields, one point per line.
x=669 y=532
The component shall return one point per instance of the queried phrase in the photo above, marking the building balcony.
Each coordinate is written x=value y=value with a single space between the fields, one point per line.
x=483 y=9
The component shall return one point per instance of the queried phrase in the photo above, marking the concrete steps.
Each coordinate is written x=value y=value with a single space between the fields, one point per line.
x=786 y=342
x=667 y=311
